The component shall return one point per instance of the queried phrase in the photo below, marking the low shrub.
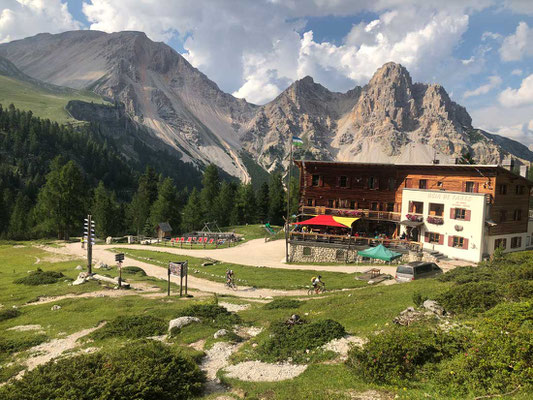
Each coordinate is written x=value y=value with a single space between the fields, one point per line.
x=285 y=341
x=419 y=299
x=398 y=354
x=132 y=326
x=137 y=371
x=471 y=298
x=282 y=303
x=134 y=270
x=462 y=275
x=499 y=358
x=211 y=313
x=40 y=277
x=21 y=343
x=9 y=313
x=519 y=290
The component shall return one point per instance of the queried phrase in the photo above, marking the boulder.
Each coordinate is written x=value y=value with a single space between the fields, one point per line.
x=181 y=322
x=79 y=268
x=56 y=307
x=82 y=278
x=220 y=333
x=102 y=265
x=108 y=240
x=434 y=307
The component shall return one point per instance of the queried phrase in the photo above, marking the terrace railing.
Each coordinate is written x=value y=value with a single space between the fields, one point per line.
x=355 y=213
x=393 y=244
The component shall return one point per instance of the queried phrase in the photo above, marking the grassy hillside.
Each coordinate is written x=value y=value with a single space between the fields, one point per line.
x=43 y=103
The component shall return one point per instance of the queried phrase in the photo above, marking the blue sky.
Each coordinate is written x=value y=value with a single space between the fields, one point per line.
x=479 y=50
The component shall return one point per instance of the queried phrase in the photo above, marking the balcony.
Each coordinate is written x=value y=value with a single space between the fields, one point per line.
x=357 y=213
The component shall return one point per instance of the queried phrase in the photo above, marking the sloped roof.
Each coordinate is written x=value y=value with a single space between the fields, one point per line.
x=164 y=226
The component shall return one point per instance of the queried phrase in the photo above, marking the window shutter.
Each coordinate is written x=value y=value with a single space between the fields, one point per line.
x=463 y=187
x=441 y=239
x=408 y=182
x=320 y=180
x=348 y=181
x=476 y=187
x=467 y=215
x=338 y=181
x=376 y=183
x=450 y=241
x=465 y=243
x=452 y=213
x=426 y=237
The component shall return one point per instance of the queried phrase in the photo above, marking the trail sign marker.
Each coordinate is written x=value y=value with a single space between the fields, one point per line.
x=181 y=269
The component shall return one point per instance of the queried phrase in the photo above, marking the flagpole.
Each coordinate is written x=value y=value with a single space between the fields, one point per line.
x=287 y=225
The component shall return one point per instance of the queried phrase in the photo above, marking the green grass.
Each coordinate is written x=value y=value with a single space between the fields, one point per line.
x=260 y=277
x=42 y=103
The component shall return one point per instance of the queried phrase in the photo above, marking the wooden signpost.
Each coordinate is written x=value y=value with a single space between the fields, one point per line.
x=181 y=269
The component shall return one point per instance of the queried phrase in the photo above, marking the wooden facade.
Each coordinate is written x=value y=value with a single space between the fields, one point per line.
x=375 y=191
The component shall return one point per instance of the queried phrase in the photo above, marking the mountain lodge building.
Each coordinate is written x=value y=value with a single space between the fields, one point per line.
x=445 y=210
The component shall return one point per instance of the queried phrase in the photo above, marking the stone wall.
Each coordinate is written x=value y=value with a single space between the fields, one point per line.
x=313 y=252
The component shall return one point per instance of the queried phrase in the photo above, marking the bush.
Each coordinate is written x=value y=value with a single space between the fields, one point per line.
x=283 y=304
x=40 y=277
x=147 y=371
x=462 y=275
x=520 y=290
x=419 y=299
x=134 y=270
x=211 y=313
x=499 y=358
x=286 y=341
x=133 y=326
x=9 y=346
x=9 y=313
x=471 y=298
x=398 y=354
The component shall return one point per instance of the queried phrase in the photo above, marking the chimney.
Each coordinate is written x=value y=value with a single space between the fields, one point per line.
x=524 y=169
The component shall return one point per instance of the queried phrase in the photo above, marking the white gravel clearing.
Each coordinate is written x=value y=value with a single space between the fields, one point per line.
x=343 y=345
x=257 y=371
x=234 y=307
x=23 y=328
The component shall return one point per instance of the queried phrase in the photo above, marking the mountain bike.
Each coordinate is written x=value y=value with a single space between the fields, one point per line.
x=231 y=285
x=320 y=289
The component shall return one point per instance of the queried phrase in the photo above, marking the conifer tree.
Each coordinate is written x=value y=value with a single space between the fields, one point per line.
x=244 y=211
x=18 y=223
x=105 y=212
x=61 y=201
x=276 y=209
x=210 y=192
x=192 y=213
x=225 y=203
x=263 y=202
x=166 y=208
x=295 y=196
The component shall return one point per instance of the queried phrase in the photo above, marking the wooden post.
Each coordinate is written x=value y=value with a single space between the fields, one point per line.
x=89 y=245
x=120 y=274
x=186 y=265
x=181 y=282
x=168 y=284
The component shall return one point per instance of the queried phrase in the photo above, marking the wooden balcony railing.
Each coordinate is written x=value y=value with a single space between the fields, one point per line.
x=357 y=213
x=393 y=244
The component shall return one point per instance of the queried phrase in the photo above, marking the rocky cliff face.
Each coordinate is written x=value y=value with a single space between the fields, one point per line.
x=391 y=119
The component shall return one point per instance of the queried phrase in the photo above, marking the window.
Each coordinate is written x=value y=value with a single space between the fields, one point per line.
x=352 y=205
x=519 y=189
x=516 y=242
x=500 y=243
x=316 y=180
x=458 y=242
x=339 y=255
x=331 y=203
x=310 y=202
x=517 y=216
x=436 y=209
x=434 y=237
x=392 y=184
x=307 y=251
x=374 y=206
x=503 y=215
x=372 y=183
x=470 y=187
x=460 y=213
x=503 y=189
x=422 y=184
x=343 y=181
x=390 y=207
x=440 y=184
x=416 y=207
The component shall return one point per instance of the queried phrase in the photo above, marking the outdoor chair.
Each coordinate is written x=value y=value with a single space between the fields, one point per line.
x=211 y=241
x=189 y=239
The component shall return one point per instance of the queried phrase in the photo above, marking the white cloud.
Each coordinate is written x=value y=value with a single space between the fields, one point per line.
x=514 y=123
x=494 y=82
x=518 y=45
x=490 y=35
x=517 y=72
x=23 y=18
x=518 y=97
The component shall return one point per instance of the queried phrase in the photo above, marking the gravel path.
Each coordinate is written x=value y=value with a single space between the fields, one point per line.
x=257 y=371
x=343 y=345
x=217 y=358
x=234 y=307
x=53 y=349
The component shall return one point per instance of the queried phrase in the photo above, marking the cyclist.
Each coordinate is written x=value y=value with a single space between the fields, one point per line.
x=317 y=283
x=229 y=277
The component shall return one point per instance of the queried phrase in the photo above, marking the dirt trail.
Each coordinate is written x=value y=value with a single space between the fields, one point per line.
x=102 y=253
x=53 y=349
